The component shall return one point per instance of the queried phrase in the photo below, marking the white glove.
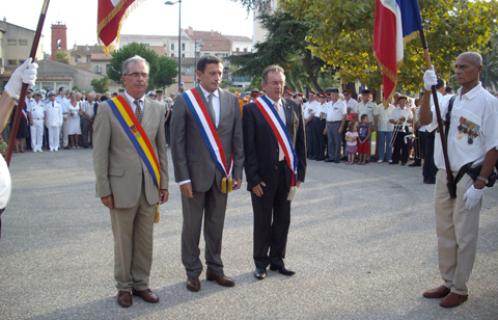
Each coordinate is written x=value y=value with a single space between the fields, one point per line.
x=26 y=73
x=430 y=79
x=472 y=197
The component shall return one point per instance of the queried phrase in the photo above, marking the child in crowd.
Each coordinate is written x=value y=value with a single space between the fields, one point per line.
x=364 y=131
x=351 y=141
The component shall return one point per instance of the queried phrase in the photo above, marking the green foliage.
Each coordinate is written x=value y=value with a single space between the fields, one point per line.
x=162 y=69
x=341 y=35
x=100 y=85
x=62 y=56
x=286 y=46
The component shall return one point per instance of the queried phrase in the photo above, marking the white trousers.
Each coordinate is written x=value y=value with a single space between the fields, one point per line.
x=36 y=135
x=54 y=137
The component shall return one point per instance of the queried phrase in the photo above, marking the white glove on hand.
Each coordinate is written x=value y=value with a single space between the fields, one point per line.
x=26 y=73
x=430 y=79
x=472 y=197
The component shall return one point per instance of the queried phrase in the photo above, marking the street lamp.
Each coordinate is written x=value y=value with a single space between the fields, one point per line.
x=170 y=3
x=197 y=45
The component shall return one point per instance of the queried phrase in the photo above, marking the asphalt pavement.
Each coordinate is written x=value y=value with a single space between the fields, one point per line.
x=362 y=242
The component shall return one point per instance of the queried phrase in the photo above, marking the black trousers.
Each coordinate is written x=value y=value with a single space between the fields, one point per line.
x=271 y=220
x=429 y=169
x=310 y=147
x=400 y=148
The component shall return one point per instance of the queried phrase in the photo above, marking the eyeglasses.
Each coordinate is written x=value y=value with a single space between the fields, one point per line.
x=138 y=74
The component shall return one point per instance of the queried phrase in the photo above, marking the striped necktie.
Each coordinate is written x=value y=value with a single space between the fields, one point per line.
x=138 y=110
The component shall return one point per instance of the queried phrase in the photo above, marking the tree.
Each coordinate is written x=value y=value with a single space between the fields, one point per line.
x=100 y=85
x=341 y=35
x=489 y=75
x=62 y=56
x=285 y=45
x=161 y=72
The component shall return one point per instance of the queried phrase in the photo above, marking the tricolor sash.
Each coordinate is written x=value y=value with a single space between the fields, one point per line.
x=283 y=137
x=210 y=136
x=133 y=129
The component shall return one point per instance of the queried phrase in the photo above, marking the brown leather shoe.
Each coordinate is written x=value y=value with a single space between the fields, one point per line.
x=222 y=280
x=147 y=295
x=453 y=300
x=193 y=284
x=124 y=299
x=437 y=293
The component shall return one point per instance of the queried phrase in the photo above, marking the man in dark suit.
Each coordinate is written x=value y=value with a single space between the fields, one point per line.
x=271 y=177
x=199 y=174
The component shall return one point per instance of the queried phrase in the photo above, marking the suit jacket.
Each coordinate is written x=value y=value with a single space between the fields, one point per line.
x=261 y=145
x=191 y=157
x=118 y=167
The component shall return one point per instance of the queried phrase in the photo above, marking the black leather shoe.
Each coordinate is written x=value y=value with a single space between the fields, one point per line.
x=329 y=160
x=260 y=274
x=415 y=164
x=282 y=270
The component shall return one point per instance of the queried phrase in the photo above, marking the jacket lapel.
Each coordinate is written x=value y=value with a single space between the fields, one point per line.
x=223 y=105
x=288 y=116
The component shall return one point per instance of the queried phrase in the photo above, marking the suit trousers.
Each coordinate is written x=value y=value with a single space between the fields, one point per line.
x=271 y=220
x=457 y=230
x=133 y=235
x=212 y=205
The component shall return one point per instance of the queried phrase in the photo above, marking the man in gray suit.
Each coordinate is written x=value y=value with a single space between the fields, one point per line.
x=197 y=173
x=125 y=185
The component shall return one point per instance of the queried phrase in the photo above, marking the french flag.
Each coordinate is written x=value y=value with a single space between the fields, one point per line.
x=396 y=22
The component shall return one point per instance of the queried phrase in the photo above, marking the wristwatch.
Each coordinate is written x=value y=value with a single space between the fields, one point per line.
x=483 y=179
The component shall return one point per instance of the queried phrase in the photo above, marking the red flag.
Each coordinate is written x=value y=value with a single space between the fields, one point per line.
x=109 y=18
x=385 y=43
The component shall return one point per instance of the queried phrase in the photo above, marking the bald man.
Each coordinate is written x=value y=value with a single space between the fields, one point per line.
x=472 y=139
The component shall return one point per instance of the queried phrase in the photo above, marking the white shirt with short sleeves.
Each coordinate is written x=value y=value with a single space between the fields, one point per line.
x=352 y=105
x=368 y=109
x=399 y=113
x=384 y=115
x=335 y=111
x=473 y=128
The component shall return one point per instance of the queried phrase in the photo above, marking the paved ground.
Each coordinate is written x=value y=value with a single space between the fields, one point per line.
x=362 y=241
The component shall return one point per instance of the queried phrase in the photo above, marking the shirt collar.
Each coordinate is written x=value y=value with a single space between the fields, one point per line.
x=473 y=92
x=131 y=99
x=206 y=93
x=279 y=102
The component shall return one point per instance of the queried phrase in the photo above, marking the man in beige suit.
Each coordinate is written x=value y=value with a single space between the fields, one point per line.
x=125 y=185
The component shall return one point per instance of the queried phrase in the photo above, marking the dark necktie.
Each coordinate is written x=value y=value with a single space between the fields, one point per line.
x=210 y=108
x=138 y=110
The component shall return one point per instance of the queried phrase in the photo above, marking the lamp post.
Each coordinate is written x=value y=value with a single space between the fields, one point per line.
x=196 y=45
x=169 y=3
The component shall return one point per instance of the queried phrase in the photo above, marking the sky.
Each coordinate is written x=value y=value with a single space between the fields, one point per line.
x=151 y=17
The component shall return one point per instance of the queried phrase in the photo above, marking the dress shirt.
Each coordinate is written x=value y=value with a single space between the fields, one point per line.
x=335 y=111
x=131 y=101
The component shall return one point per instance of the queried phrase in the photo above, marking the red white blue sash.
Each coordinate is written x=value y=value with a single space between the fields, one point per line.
x=208 y=131
x=279 y=129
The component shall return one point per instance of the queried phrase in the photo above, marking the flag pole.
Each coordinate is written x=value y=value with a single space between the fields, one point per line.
x=24 y=89
x=450 y=180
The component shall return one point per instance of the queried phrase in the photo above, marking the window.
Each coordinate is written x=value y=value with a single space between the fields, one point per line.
x=172 y=47
x=11 y=62
x=98 y=69
x=183 y=46
x=11 y=42
x=245 y=49
x=172 y=55
x=23 y=42
x=237 y=50
x=183 y=55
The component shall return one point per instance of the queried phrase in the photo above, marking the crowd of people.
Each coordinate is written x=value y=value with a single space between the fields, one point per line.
x=212 y=143
x=63 y=120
